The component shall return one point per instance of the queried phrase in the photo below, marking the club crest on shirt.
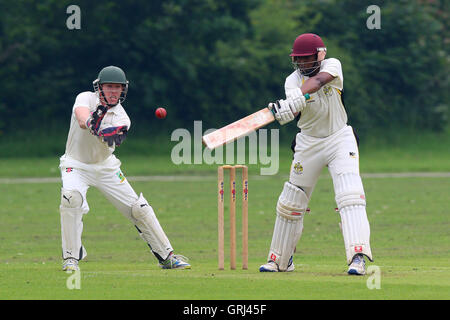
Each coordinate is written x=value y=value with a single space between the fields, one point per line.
x=297 y=168
x=120 y=175
x=328 y=91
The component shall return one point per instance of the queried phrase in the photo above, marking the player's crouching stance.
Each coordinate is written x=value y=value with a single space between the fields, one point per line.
x=325 y=140
x=99 y=123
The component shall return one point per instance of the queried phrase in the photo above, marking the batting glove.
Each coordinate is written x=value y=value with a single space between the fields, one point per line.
x=282 y=111
x=296 y=100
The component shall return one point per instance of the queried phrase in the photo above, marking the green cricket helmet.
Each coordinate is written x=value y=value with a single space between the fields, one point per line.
x=111 y=74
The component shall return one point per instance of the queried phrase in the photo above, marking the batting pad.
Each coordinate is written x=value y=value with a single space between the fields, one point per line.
x=351 y=202
x=149 y=228
x=72 y=224
x=291 y=207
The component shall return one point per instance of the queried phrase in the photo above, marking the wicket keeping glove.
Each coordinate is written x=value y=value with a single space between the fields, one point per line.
x=114 y=135
x=95 y=120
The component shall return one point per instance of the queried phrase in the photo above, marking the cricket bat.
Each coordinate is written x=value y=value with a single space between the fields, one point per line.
x=239 y=128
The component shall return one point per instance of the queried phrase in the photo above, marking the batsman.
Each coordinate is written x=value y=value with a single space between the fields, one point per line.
x=98 y=125
x=324 y=140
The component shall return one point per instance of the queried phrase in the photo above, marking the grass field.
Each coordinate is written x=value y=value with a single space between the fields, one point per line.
x=408 y=216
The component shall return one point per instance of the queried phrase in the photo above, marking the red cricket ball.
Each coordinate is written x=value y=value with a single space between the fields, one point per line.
x=161 y=113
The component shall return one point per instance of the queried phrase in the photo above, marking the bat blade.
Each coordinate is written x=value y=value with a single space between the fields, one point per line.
x=238 y=129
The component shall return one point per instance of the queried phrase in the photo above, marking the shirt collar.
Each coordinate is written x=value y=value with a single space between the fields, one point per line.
x=114 y=109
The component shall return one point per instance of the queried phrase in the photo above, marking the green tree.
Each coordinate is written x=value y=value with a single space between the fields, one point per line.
x=217 y=61
x=401 y=69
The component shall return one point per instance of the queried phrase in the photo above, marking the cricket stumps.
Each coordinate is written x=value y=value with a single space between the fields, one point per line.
x=221 y=224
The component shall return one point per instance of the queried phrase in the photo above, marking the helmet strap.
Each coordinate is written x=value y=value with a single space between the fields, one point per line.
x=110 y=105
x=312 y=69
x=98 y=88
x=102 y=97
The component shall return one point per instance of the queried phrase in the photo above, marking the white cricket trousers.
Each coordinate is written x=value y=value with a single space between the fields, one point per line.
x=338 y=152
x=109 y=180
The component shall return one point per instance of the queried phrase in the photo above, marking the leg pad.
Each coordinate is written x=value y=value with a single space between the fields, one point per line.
x=149 y=228
x=291 y=207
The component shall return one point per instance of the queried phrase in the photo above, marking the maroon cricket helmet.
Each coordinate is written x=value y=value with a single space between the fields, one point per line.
x=307 y=44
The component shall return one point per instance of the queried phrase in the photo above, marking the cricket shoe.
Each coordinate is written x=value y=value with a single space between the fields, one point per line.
x=358 y=266
x=70 y=264
x=175 y=262
x=272 y=266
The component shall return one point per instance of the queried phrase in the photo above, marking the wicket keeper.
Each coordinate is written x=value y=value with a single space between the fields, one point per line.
x=98 y=125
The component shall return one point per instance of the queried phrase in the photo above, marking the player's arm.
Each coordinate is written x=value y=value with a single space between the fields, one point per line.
x=287 y=110
x=88 y=120
x=82 y=114
x=314 y=84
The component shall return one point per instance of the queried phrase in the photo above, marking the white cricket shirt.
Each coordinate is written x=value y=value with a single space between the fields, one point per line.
x=324 y=113
x=83 y=147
